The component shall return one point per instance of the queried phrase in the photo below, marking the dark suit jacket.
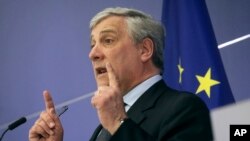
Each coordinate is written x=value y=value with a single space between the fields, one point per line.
x=164 y=114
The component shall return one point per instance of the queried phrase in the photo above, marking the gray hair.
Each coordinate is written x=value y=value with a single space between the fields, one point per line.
x=140 y=26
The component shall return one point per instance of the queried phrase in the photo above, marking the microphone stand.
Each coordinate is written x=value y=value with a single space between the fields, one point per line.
x=5 y=131
x=13 y=125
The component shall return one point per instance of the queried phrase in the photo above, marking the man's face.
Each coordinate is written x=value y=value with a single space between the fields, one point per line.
x=111 y=43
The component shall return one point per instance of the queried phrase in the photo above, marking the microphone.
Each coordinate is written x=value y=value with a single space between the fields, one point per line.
x=22 y=120
x=17 y=123
x=14 y=125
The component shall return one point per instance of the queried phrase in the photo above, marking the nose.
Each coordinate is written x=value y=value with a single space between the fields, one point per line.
x=95 y=54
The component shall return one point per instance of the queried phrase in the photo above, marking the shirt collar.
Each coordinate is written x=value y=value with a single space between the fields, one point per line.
x=134 y=94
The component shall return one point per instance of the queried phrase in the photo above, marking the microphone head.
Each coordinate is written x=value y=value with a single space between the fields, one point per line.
x=17 y=123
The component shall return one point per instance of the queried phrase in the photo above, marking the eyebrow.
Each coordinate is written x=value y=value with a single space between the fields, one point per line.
x=105 y=31
x=108 y=31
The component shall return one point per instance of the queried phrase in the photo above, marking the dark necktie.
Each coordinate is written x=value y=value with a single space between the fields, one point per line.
x=104 y=135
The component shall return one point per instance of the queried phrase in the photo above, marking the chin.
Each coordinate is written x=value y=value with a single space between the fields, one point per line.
x=102 y=80
x=102 y=83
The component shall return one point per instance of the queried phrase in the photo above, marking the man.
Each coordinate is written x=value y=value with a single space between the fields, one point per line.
x=132 y=101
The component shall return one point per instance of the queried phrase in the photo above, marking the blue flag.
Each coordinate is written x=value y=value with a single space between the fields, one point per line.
x=192 y=59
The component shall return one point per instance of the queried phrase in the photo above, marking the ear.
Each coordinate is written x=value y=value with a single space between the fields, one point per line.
x=147 y=49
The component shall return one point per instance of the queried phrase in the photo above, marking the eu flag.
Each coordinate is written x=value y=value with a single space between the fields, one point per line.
x=192 y=59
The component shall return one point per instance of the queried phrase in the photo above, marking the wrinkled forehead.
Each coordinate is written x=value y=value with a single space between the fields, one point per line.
x=111 y=24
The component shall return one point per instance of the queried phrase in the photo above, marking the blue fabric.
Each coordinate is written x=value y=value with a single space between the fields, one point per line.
x=191 y=44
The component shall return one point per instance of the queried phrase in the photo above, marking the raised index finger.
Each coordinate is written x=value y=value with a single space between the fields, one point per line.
x=113 y=81
x=49 y=104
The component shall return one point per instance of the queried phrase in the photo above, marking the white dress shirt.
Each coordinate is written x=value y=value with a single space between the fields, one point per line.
x=133 y=95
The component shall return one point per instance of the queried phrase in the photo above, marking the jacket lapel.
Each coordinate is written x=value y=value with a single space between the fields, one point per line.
x=146 y=102
x=96 y=132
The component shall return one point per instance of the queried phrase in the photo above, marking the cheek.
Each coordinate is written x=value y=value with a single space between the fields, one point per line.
x=124 y=66
x=123 y=60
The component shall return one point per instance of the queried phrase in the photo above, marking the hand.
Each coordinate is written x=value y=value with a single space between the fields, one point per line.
x=108 y=102
x=48 y=127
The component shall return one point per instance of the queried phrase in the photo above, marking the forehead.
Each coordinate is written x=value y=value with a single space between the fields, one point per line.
x=115 y=24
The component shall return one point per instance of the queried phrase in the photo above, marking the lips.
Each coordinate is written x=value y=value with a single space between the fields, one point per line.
x=100 y=70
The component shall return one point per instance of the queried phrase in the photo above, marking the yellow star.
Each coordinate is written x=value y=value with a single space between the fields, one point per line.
x=206 y=83
x=181 y=69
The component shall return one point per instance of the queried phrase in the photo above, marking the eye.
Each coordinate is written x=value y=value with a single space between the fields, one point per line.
x=108 y=41
x=92 y=44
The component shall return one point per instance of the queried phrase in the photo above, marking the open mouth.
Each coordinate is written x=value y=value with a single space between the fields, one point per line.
x=101 y=70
